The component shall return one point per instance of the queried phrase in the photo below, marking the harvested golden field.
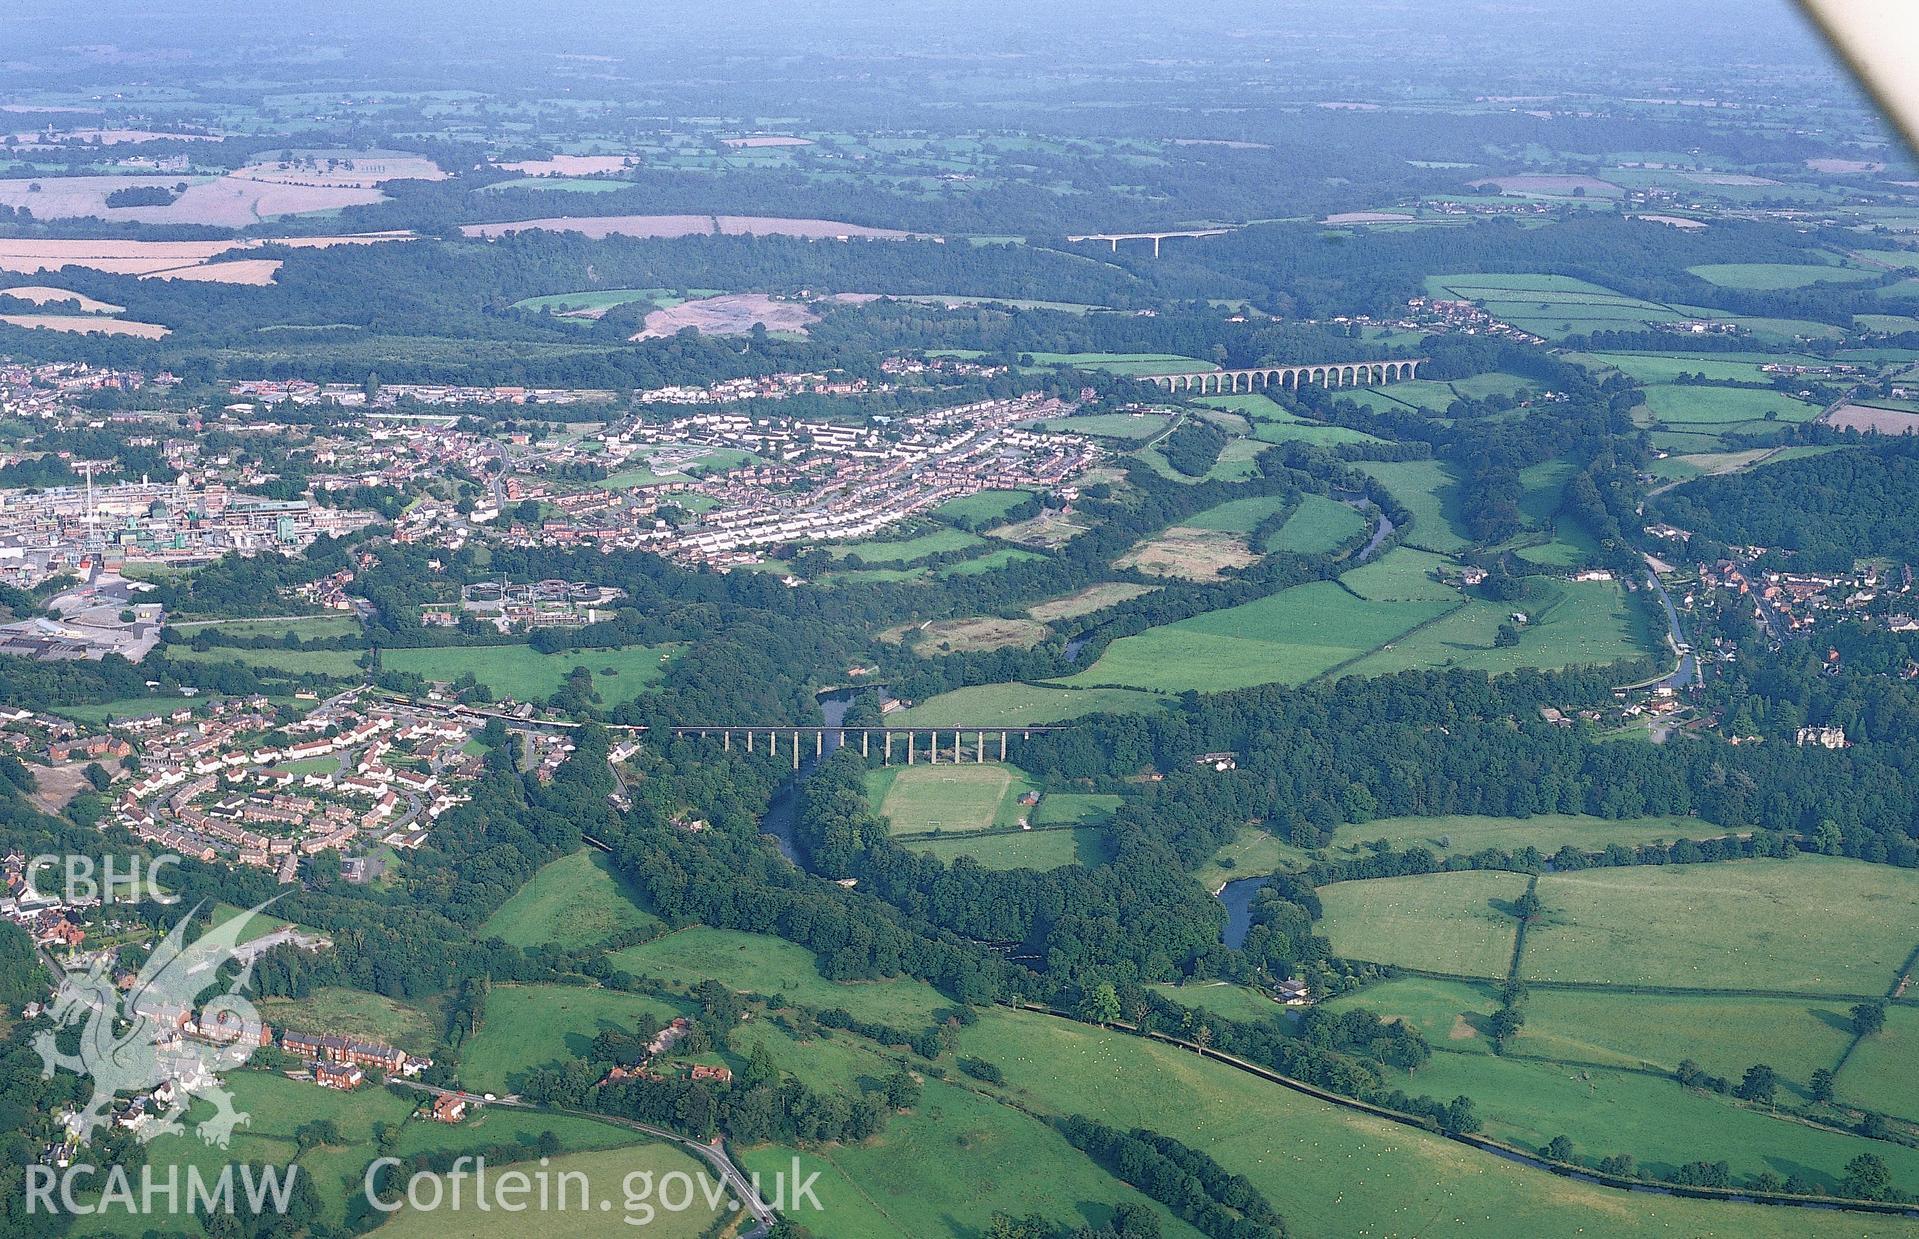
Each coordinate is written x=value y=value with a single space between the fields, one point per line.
x=342 y=169
x=1189 y=554
x=41 y=294
x=1872 y=420
x=730 y=315
x=569 y=165
x=231 y=201
x=26 y=255
x=90 y=324
x=1086 y=601
x=253 y=271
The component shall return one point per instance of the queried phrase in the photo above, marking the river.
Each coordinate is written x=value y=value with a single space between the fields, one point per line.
x=1237 y=895
x=778 y=820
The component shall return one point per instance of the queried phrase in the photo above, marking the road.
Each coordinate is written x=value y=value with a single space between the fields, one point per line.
x=713 y=1154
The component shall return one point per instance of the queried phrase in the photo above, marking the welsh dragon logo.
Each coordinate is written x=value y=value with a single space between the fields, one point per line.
x=133 y=1043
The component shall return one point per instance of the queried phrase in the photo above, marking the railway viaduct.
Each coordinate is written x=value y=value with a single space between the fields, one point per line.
x=1259 y=378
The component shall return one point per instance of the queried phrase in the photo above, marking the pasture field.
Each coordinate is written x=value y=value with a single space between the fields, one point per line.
x=1879 y=1075
x=1133 y=427
x=1588 y=623
x=132 y=707
x=1126 y=363
x=307 y=628
x=1814 y=924
x=1273 y=423
x=1456 y=923
x=1430 y=491
x=1464 y=834
x=413 y=1026
x=572 y=903
x=757 y=963
x=595 y=302
x=1221 y=998
x=1236 y=515
x=334 y=664
x=1188 y=554
x=1238 y=460
x=1062 y=808
x=1723 y=1034
x=1402 y=574
x=1317 y=527
x=604 y=1174
x=1251 y=852
x=917 y=800
x=1333 y=1171
x=529 y=1026
x=986 y=505
x=277 y=1107
x=1086 y=601
x=1554 y=306
x=992 y=561
x=1007 y=704
x=1774 y=276
x=1661 y=1124
x=904 y=551
x=979 y=632
x=1287 y=638
x=1026 y=849
x=1717 y=367
x=524 y=674
x=1691 y=405
x=1453 y=1016
x=990 y=1158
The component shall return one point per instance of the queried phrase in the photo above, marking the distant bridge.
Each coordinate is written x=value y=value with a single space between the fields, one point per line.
x=951 y=742
x=1114 y=238
x=1292 y=378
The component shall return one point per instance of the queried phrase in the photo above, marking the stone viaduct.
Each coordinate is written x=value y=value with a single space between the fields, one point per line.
x=1258 y=378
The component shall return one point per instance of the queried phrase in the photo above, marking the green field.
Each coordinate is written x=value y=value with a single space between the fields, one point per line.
x=335 y=664
x=1134 y=427
x=1402 y=574
x=947 y=1166
x=1236 y=515
x=1072 y=808
x=276 y=1107
x=1879 y=1075
x=907 y=550
x=530 y=1026
x=1462 y=835
x=987 y=505
x=1813 y=925
x=1333 y=1171
x=1318 y=526
x=1457 y=923
x=573 y=902
x=1273 y=423
x=1453 y=1016
x=1024 y=849
x=1221 y=998
x=1585 y=623
x=1692 y=405
x=1005 y=704
x=1664 y=1126
x=1287 y=638
x=603 y=1176
x=306 y=627
x=1773 y=276
x=1430 y=492
x=1126 y=363
x=1717 y=367
x=524 y=674
x=412 y=1026
x=760 y=964
x=1725 y=1035
x=924 y=799
x=992 y=561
